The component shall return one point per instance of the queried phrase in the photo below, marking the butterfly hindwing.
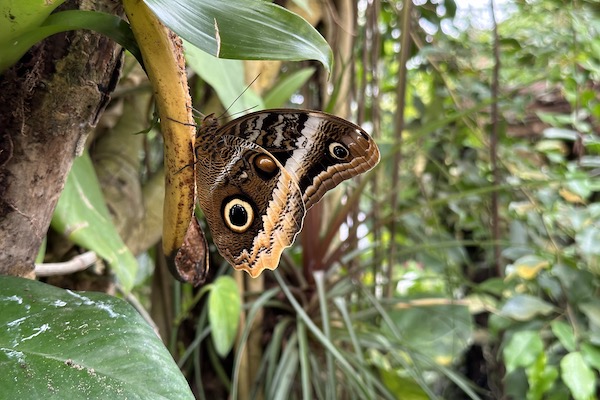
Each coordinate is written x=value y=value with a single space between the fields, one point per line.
x=253 y=207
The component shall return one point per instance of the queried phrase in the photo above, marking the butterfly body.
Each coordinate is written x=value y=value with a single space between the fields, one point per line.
x=258 y=175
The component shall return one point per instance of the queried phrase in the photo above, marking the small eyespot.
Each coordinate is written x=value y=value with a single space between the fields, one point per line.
x=338 y=151
x=265 y=164
x=363 y=134
x=238 y=215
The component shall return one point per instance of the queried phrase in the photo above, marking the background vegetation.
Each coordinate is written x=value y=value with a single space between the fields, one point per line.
x=466 y=265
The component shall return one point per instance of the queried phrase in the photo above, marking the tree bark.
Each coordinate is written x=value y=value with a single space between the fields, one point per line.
x=49 y=102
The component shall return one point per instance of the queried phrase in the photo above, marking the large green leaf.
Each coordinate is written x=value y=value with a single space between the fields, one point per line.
x=442 y=332
x=243 y=29
x=82 y=216
x=61 y=344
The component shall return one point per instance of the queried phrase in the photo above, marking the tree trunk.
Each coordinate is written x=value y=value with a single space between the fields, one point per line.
x=49 y=102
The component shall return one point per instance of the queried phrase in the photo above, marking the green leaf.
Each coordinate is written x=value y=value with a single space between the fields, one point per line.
x=286 y=87
x=402 y=387
x=74 y=345
x=244 y=29
x=564 y=333
x=82 y=216
x=224 y=307
x=226 y=77
x=591 y=354
x=441 y=332
x=524 y=307
x=541 y=377
x=578 y=377
x=522 y=350
x=528 y=267
x=592 y=311
x=109 y=25
x=19 y=16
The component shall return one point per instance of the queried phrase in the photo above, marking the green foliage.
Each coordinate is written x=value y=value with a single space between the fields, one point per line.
x=38 y=25
x=244 y=29
x=62 y=344
x=532 y=312
x=81 y=216
x=224 y=307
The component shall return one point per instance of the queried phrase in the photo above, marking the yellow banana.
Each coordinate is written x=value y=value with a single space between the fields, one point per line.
x=162 y=53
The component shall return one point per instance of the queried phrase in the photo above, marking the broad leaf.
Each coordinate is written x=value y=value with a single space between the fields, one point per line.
x=578 y=377
x=75 y=345
x=226 y=77
x=564 y=333
x=82 y=216
x=524 y=307
x=243 y=29
x=286 y=87
x=522 y=350
x=224 y=307
x=441 y=332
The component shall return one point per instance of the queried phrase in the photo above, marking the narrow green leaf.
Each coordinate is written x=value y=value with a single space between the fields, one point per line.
x=224 y=308
x=286 y=370
x=522 y=350
x=303 y=354
x=109 y=25
x=74 y=345
x=578 y=377
x=244 y=29
x=82 y=216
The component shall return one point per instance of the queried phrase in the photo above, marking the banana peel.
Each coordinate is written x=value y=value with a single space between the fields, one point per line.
x=162 y=52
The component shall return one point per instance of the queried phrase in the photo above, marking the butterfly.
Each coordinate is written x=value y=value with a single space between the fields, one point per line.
x=259 y=174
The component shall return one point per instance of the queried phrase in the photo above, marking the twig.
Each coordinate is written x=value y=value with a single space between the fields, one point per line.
x=76 y=264
x=494 y=145
x=403 y=56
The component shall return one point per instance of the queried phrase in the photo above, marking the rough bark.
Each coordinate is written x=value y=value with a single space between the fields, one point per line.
x=49 y=102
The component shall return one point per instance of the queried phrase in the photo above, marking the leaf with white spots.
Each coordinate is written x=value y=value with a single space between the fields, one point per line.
x=74 y=345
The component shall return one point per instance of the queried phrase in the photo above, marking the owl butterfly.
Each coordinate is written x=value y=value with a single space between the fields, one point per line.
x=259 y=174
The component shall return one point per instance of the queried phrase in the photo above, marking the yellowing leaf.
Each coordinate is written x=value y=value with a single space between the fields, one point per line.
x=570 y=196
x=527 y=267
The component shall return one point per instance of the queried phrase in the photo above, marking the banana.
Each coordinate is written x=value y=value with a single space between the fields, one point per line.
x=162 y=52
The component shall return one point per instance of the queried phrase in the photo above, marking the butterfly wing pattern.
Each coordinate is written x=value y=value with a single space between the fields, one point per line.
x=258 y=175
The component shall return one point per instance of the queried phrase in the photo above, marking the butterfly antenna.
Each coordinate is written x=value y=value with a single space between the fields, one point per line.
x=197 y=113
x=237 y=98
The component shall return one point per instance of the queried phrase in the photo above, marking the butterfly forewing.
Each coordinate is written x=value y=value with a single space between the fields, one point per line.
x=302 y=142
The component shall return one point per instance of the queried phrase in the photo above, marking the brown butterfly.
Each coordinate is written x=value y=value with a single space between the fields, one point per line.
x=259 y=174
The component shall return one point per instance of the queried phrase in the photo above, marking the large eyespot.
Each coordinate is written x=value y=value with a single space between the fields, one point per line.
x=338 y=151
x=238 y=215
x=265 y=166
